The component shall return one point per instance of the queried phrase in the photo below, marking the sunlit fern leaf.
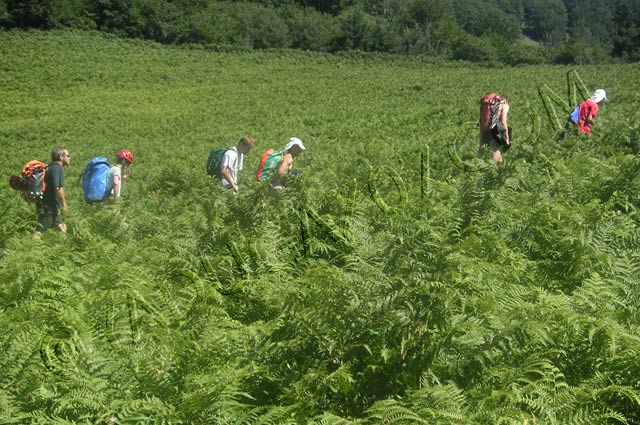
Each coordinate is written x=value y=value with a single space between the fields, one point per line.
x=331 y=419
x=394 y=412
x=275 y=415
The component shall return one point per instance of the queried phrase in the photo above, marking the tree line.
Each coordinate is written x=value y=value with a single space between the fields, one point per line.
x=506 y=31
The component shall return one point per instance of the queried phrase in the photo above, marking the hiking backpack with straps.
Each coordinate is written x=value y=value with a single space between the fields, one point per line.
x=214 y=162
x=268 y=163
x=96 y=180
x=32 y=181
x=489 y=105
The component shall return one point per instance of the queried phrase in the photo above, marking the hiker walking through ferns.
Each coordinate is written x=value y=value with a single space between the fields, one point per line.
x=495 y=133
x=53 y=203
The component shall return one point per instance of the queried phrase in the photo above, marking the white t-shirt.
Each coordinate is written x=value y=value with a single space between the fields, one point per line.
x=233 y=160
x=115 y=171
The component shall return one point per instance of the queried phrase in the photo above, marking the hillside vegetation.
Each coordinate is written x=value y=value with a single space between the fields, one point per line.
x=399 y=280
x=498 y=31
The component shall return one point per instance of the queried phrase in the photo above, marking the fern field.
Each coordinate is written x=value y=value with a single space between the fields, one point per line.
x=399 y=280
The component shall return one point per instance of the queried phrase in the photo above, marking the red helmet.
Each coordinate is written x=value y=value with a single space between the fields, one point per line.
x=126 y=155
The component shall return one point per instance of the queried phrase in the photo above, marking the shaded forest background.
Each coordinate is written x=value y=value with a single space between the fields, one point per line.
x=501 y=31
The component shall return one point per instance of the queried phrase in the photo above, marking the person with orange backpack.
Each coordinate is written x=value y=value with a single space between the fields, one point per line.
x=53 y=203
x=495 y=133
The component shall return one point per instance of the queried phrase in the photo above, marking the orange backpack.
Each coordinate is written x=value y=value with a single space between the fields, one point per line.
x=268 y=163
x=33 y=177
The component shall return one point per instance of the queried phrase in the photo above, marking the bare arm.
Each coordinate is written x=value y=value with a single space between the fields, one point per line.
x=226 y=174
x=116 y=186
x=61 y=199
x=283 y=168
x=504 y=108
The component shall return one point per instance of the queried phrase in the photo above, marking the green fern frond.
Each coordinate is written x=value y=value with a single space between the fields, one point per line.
x=393 y=412
x=331 y=419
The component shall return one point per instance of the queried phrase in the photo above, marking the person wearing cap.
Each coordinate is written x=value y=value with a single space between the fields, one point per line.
x=232 y=162
x=293 y=148
x=124 y=159
x=588 y=110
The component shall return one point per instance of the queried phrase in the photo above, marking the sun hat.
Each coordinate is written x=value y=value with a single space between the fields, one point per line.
x=294 y=141
x=599 y=95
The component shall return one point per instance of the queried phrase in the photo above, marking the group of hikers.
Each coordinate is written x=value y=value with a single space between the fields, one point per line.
x=225 y=163
x=43 y=184
x=274 y=165
x=496 y=134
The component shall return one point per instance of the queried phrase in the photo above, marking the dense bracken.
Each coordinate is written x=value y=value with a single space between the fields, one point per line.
x=400 y=279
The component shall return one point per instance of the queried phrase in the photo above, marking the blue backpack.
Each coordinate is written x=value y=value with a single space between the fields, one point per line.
x=574 y=117
x=96 y=181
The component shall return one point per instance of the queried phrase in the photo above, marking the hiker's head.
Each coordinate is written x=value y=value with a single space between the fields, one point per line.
x=245 y=144
x=60 y=154
x=599 y=96
x=294 y=146
x=125 y=157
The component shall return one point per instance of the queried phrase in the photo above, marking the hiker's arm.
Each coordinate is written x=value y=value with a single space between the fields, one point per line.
x=226 y=174
x=283 y=166
x=61 y=199
x=116 y=187
x=503 y=119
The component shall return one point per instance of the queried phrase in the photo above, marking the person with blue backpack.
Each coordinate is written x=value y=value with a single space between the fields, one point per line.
x=101 y=180
x=123 y=163
x=53 y=203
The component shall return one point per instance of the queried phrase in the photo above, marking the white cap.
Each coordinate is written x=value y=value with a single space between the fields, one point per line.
x=599 y=95
x=293 y=142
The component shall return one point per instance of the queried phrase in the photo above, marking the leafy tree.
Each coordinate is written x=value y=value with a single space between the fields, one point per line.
x=43 y=13
x=310 y=29
x=325 y=6
x=361 y=31
x=118 y=16
x=546 y=20
x=5 y=16
x=591 y=26
x=480 y=18
x=626 y=42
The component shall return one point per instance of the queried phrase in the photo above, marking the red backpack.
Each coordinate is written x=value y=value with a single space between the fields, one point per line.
x=488 y=108
x=31 y=182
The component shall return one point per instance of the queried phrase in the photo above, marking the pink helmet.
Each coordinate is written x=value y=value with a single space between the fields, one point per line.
x=126 y=155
